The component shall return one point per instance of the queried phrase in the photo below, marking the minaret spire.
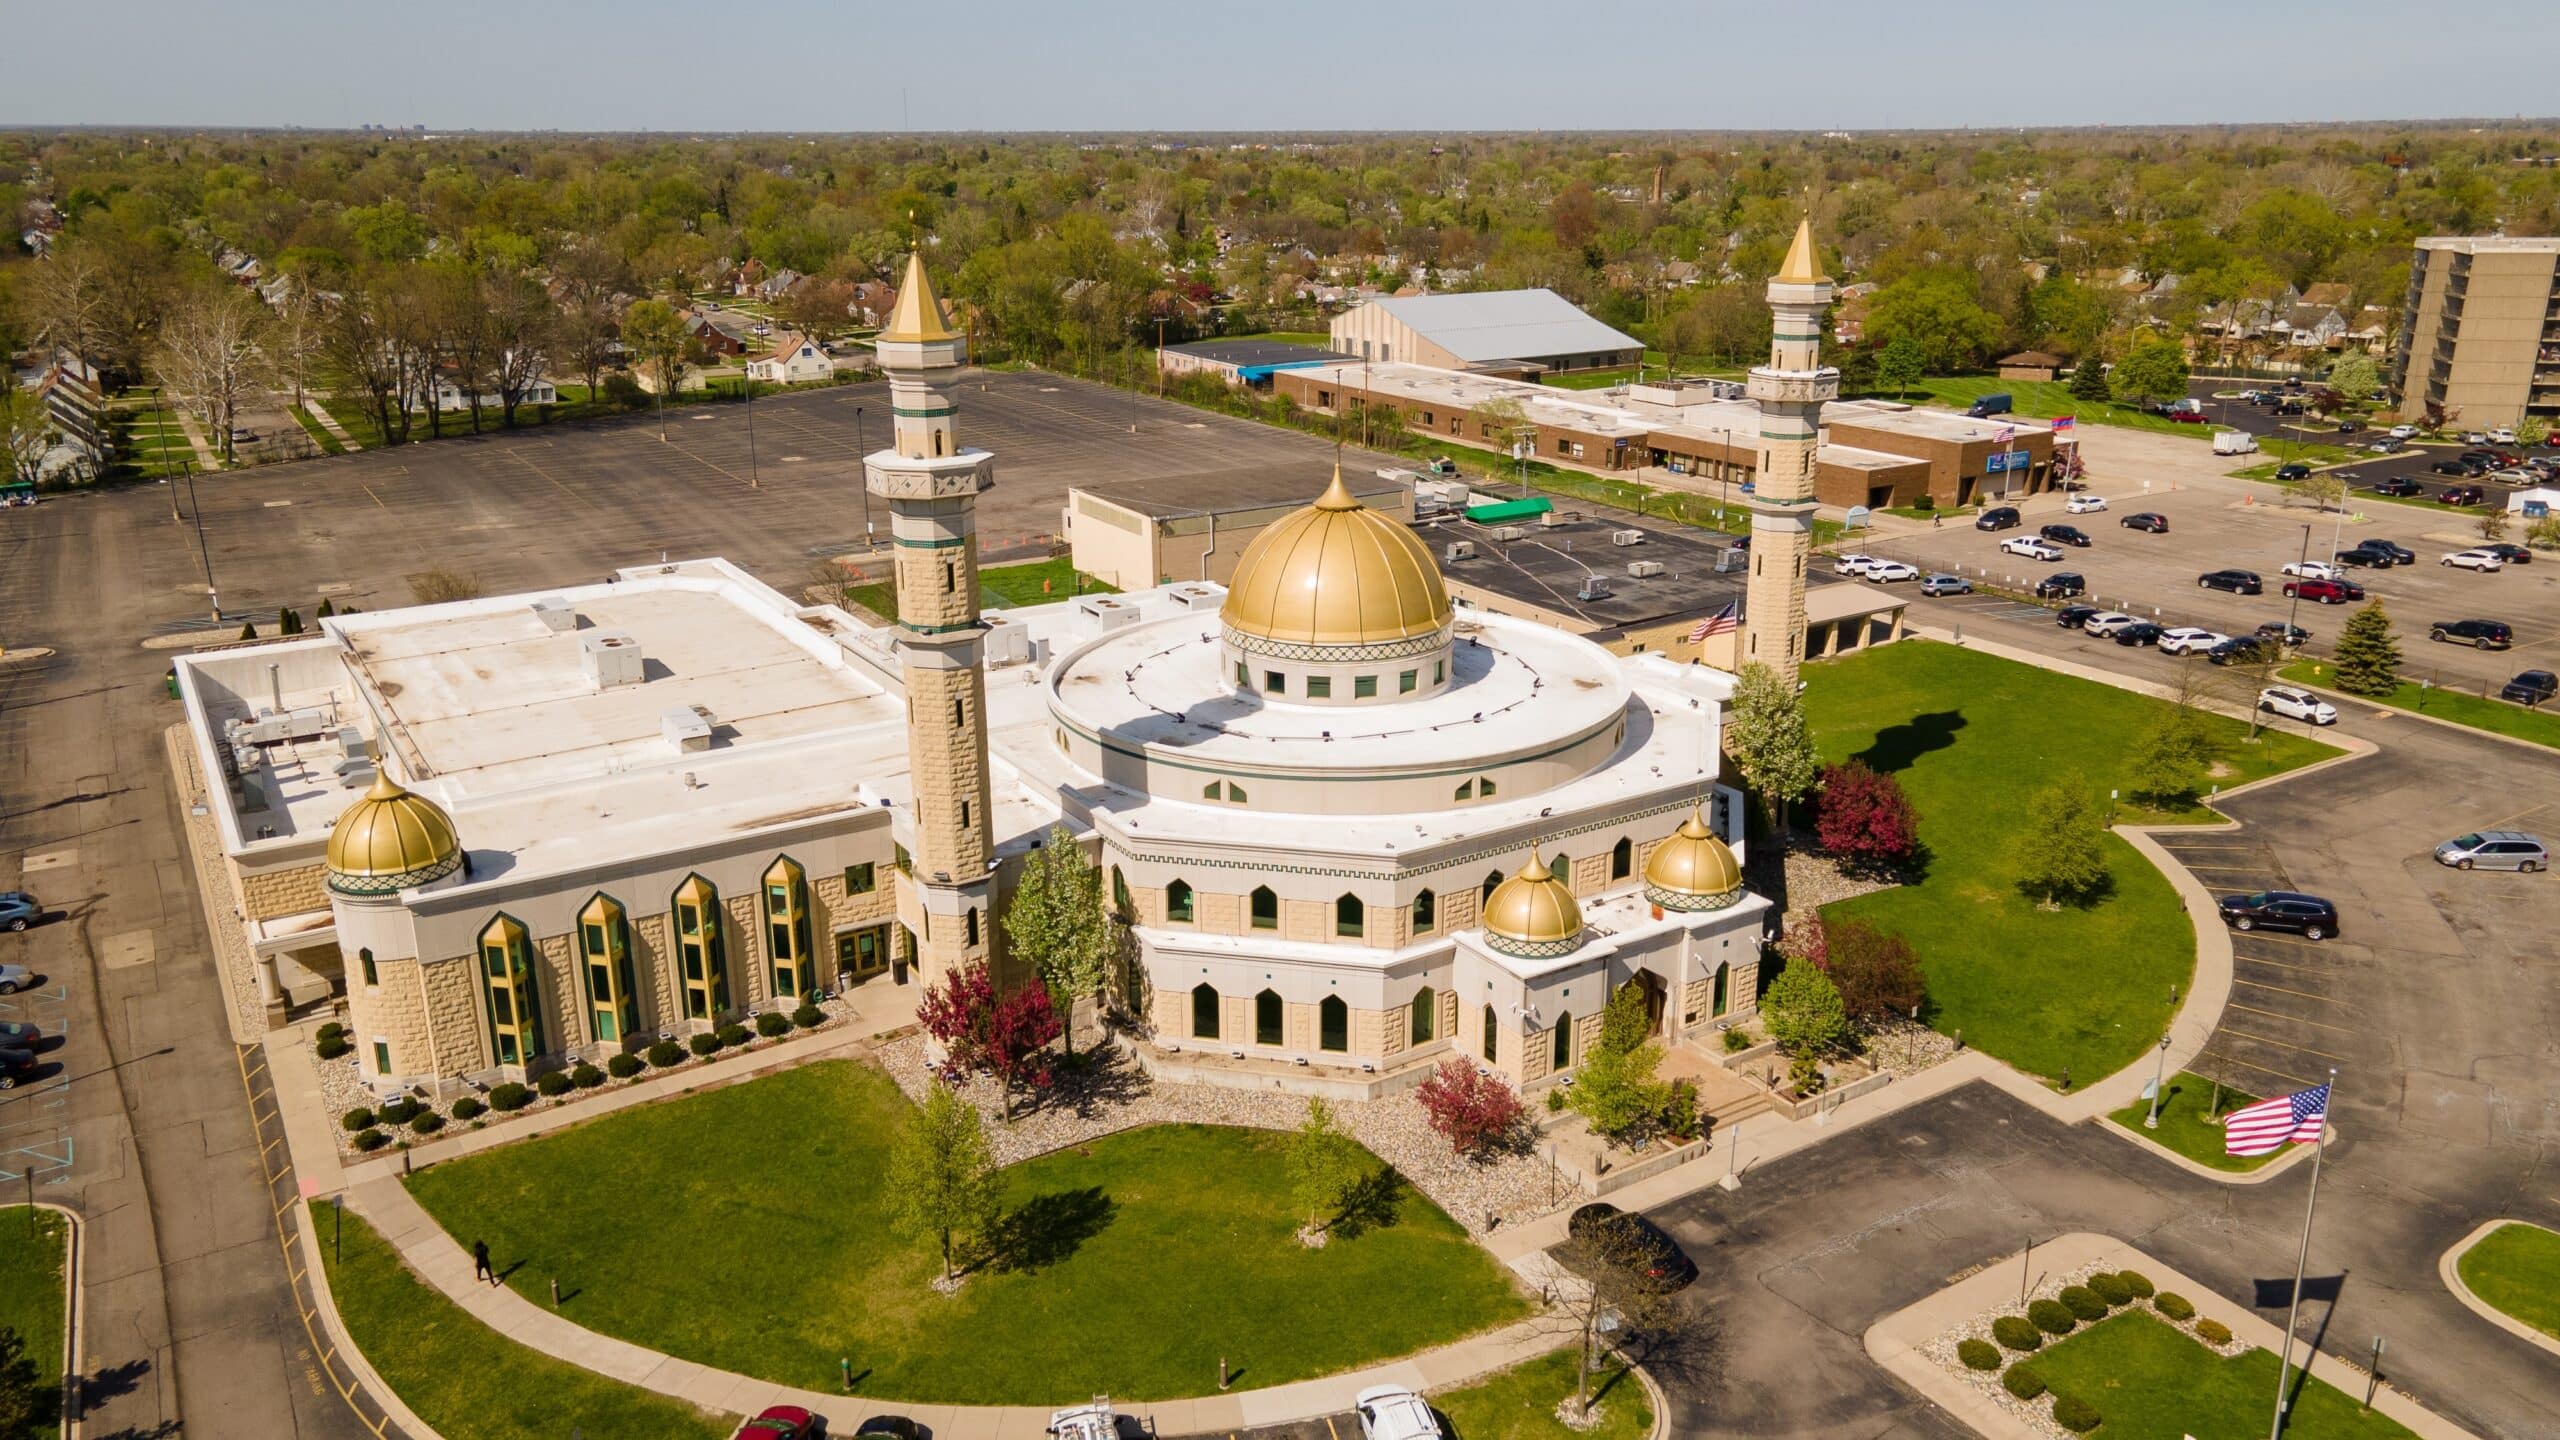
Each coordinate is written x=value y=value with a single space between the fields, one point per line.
x=1790 y=390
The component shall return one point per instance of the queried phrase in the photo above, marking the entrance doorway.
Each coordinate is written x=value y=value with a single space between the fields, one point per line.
x=861 y=954
x=1657 y=999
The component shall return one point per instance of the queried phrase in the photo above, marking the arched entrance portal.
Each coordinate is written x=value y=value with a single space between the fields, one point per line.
x=1657 y=999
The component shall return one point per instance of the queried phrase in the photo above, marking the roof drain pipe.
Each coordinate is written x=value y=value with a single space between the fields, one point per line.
x=1213 y=544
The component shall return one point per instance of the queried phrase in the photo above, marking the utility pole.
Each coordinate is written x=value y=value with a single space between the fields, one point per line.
x=215 y=596
x=858 y=453
x=747 y=379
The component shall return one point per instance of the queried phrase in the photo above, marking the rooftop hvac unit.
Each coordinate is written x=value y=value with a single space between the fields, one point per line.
x=556 y=614
x=611 y=659
x=1549 y=519
x=687 y=728
x=1106 y=613
x=1008 y=645
x=1457 y=550
x=1508 y=533
x=1644 y=569
x=1592 y=588
x=1199 y=596
x=1626 y=537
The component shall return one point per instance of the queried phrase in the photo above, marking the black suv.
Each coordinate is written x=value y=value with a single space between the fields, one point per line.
x=2061 y=585
x=2311 y=916
x=2453 y=467
x=2243 y=650
x=2400 y=554
x=2480 y=634
x=2397 y=485
x=2360 y=555
x=2073 y=617
x=2066 y=535
x=2531 y=688
x=2289 y=636
x=2140 y=633
x=2148 y=521
x=2238 y=582
x=1998 y=517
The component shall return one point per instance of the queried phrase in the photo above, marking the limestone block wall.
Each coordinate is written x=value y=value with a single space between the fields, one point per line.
x=461 y=1041
x=565 y=1017
x=923 y=600
x=394 y=1012
x=750 y=981
x=654 y=972
x=274 y=893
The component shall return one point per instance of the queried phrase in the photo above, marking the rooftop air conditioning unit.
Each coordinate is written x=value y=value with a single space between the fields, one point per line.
x=1199 y=596
x=1457 y=550
x=556 y=614
x=1007 y=644
x=687 y=728
x=1107 y=614
x=1644 y=569
x=1549 y=519
x=1626 y=537
x=611 y=658
x=1592 y=588
x=1509 y=533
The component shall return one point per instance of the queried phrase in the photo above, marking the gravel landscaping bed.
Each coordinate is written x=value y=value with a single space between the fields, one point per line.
x=1115 y=1095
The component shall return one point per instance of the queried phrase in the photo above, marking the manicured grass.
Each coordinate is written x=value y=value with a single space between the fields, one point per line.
x=318 y=432
x=2042 y=400
x=999 y=587
x=1973 y=737
x=1520 y=1403
x=2290 y=452
x=2500 y=717
x=2516 y=1268
x=2152 y=1381
x=466 y=1380
x=2184 y=1126
x=748 y=1228
x=31 y=1301
x=1320 y=339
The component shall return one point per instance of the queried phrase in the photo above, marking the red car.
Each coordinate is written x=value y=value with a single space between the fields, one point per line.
x=2187 y=417
x=783 y=1422
x=2327 y=592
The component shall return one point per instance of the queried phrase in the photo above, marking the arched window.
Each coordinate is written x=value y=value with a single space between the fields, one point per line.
x=1266 y=1018
x=1204 y=1011
x=506 y=978
x=1266 y=908
x=786 y=930
x=969 y=926
x=1350 y=917
x=1564 y=1042
x=1561 y=867
x=1120 y=893
x=372 y=976
x=1622 y=859
x=1426 y=1016
x=1426 y=912
x=1177 y=903
x=701 y=956
x=1492 y=882
x=604 y=952
x=1724 y=977
x=1333 y=1024
x=1492 y=1035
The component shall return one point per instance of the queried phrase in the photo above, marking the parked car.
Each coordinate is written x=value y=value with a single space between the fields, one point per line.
x=1946 y=585
x=782 y=1422
x=2474 y=437
x=2242 y=650
x=1666 y=1265
x=1998 y=517
x=2312 y=569
x=2531 y=688
x=1886 y=572
x=2107 y=622
x=2147 y=521
x=2404 y=432
x=2400 y=554
x=2510 y=552
x=2066 y=535
x=18 y=909
x=2297 y=705
x=2074 y=617
x=2494 y=850
x=2190 y=640
x=2327 y=592
x=1851 y=564
x=890 y=1427
x=2479 y=634
x=2084 y=505
x=2309 y=915
x=2186 y=417
x=14 y=978
x=2397 y=485
x=2463 y=495
x=1391 y=1412
x=2349 y=427
x=2293 y=470
x=19 y=1035
x=2238 y=582
x=2062 y=585
x=16 y=1065
x=2141 y=632
x=2289 y=636
x=2029 y=548
x=1994 y=404
x=2360 y=556
x=2387 y=446
x=2480 y=560
x=2452 y=467
x=2502 y=436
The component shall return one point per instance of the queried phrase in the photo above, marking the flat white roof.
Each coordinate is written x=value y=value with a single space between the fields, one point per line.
x=1485 y=325
x=2492 y=244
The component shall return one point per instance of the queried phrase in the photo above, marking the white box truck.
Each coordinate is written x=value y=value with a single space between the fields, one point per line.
x=2234 y=442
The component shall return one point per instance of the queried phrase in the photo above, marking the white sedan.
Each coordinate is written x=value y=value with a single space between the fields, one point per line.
x=2030 y=547
x=2313 y=570
x=1852 y=564
x=1391 y=1412
x=1887 y=571
x=2189 y=640
x=2404 y=432
x=2297 y=705
x=2084 y=504
x=2475 y=560
x=2107 y=622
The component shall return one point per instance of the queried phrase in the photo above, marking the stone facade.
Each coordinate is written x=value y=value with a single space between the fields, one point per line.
x=277 y=893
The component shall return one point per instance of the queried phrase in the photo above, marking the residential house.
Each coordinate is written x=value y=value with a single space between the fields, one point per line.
x=2029 y=365
x=795 y=359
x=872 y=301
x=722 y=332
x=2332 y=293
x=778 y=284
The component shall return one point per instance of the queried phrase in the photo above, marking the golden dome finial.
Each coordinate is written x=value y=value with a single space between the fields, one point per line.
x=1800 y=267
x=917 y=317
x=1337 y=496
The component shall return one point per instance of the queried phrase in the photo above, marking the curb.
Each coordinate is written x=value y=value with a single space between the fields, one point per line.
x=2449 y=1269
x=324 y=1307
x=1661 y=1402
x=2292 y=1156
x=26 y=655
x=74 y=1263
x=2379 y=713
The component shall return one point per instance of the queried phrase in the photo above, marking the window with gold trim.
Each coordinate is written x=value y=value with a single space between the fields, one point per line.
x=702 y=953
x=786 y=930
x=604 y=953
x=506 y=979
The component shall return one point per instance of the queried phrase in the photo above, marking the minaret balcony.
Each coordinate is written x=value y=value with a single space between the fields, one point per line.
x=1794 y=387
x=893 y=476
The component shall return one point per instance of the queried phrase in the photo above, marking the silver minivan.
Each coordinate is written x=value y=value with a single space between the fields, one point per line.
x=2494 y=850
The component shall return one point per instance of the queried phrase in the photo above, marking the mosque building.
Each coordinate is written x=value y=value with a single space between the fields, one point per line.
x=1354 y=828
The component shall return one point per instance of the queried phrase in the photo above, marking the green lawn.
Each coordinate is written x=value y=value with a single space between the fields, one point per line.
x=1520 y=1403
x=318 y=432
x=1972 y=738
x=2042 y=400
x=1000 y=587
x=1320 y=339
x=2184 y=1127
x=747 y=1228
x=2152 y=1381
x=31 y=1300
x=465 y=1379
x=2291 y=452
x=2501 y=717
x=2516 y=1269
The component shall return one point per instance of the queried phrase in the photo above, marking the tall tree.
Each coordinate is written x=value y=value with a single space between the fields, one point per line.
x=2368 y=657
x=586 y=278
x=2355 y=376
x=295 y=339
x=2089 y=380
x=1616 y=1088
x=1864 y=818
x=1938 y=310
x=1898 y=365
x=1056 y=920
x=1766 y=734
x=208 y=357
x=660 y=344
x=518 y=318
x=942 y=1174
x=1324 y=1166
x=2154 y=369
x=2062 y=855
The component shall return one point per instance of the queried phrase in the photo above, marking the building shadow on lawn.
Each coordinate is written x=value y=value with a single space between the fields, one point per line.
x=1896 y=747
x=1046 y=1229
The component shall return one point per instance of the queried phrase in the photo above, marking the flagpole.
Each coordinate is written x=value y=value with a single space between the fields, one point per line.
x=2301 y=1260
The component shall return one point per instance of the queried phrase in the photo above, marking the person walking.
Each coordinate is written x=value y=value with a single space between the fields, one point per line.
x=480 y=1268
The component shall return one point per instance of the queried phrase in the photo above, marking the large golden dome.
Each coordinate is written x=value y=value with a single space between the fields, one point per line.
x=1533 y=914
x=1693 y=870
x=1336 y=573
x=391 y=840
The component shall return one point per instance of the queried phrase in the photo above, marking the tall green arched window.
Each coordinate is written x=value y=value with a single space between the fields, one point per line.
x=1204 y=1011
x=1426 y=1017
x=506 y=978
x=1177 y=902
x=1350 y=917
x=1265 y=908
x=604 y=953
x=1622 y=859
x=1426 y=912
x=1492 y=1038
x=702 y=957
x=1267 y=1012
x=1333 y=1024
x=1563 y=1056
x=786 y=930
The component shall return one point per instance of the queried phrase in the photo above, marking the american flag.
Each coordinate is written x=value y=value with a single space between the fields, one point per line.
x=2002 y=436
x=1723 y=621
x=2265 y=1127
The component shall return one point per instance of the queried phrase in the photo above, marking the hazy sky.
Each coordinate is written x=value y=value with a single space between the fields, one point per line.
x=1270 y=64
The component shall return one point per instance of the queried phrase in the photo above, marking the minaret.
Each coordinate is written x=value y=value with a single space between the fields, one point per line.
x=1790 y=390
x=932 y=487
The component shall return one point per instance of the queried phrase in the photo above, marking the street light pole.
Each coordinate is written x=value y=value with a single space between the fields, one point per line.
x=858 y=453
x=747 y=381
x=2159 y=1086
x=189 y=469
x=2293 y=611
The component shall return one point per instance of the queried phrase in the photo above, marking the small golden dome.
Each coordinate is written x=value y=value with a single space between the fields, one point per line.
x=1532 y=913
x=1800 y=268
x=391 y=840
x=1693 y=870
x=1336 y=573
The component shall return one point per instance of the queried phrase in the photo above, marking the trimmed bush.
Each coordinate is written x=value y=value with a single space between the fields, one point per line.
x=510 y=1096
x=2109 y=1288
x=666 y=1054
x=772 y=1023
x=585 y=1076
x=808 y=1016
x=1978 y=1354
x=332 y=1031
x=732 y=1036
x=399 y=1111
x=704 y=1045
x=2018 y=1333
x=357 y=1119
x=2213 y=1332
x=1555 y=1100
x=553 y=1082
x=370 y=1140
x=2173 y=1305
x=2022 y=1382
x=2075 y=1414
x=2052 y=1317
x=2137 y=1283
x=330 y=1047
x=469 y=1108
x=623 y=1067
x=426 y=1122
x=2084 y=1302
x=1736 y=1041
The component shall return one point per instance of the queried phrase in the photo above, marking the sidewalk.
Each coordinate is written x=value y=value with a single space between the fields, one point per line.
x=329 y=422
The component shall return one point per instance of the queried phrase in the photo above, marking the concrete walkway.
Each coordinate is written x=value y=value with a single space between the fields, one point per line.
x=311 y=404
x=206 y=460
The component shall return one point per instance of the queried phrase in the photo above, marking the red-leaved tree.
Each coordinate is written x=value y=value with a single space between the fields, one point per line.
x=1876 y=973
x=1018 y=1040
x=958 y=1013
x=1476 y=1113
x=1864 y=819
x=1004 y=1035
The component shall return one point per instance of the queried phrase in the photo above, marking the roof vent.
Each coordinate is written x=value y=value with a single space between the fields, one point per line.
x=611 y=658
x=556 y=614
x=687 y=728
